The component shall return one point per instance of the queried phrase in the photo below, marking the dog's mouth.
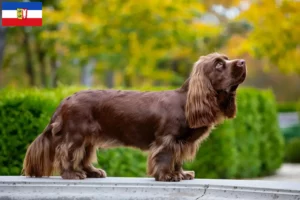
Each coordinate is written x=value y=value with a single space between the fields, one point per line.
x=237 y=82
x=241 y=78
x=233 y=88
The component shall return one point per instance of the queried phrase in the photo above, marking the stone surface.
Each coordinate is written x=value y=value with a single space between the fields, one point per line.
x=18 y=187
x=287 y=172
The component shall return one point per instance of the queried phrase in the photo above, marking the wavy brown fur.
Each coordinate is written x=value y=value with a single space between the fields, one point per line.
x=201 y=107
x=38 y=159
x=169 y=124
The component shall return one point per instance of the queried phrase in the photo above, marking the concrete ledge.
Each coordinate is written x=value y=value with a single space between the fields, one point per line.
x=18 y=187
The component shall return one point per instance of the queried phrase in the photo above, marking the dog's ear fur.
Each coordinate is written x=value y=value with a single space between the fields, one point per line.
x=201 y=106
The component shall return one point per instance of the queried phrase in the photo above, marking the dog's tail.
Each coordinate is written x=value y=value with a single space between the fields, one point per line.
x=39 y=158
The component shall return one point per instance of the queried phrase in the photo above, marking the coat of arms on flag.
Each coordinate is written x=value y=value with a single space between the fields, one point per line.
x=22 y=14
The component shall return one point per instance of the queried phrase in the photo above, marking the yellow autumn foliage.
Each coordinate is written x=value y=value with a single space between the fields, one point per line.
x=155 y=41
x=275 y=33
x=128 y=36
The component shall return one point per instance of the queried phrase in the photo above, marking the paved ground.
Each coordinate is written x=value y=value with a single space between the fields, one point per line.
x=288 y=172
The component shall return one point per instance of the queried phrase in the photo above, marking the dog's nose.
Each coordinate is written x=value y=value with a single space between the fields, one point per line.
x=241 y=63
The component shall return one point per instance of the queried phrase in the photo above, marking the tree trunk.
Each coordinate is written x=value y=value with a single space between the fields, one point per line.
x=54 y=66
x=28 y=57
x=2 y=42
x=109 y=78
x=127 y=80
x=42 y=64
x=2 y=45
x=87 y=73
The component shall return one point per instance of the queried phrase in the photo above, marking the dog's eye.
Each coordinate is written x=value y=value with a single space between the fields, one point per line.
x=219 y=65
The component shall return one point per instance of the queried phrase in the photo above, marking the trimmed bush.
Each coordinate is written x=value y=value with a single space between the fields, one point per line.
x=123 y=162
x=287 y=107
x=292 y=141
x=217 y=157
x=291 y=132
x=247 y=127
x=248 y=146
x=292 y=151
x=298 y=108
x=22 y=118
x=272 y=141
x=23 y=115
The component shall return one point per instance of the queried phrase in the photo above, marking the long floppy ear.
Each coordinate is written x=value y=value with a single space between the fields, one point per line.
x=201 y=105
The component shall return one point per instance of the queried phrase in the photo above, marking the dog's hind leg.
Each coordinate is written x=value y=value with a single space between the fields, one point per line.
x=90 y=157
x=70 y=154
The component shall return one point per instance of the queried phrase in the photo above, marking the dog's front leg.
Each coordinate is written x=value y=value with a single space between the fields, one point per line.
x=161 y=160
x=161 y=164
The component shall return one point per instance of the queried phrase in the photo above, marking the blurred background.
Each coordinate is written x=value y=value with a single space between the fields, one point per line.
x=152 y=45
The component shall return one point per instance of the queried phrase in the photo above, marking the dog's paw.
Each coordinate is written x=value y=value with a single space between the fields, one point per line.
x=188 y=175
x=73 y=175
x=168 y=177
x=96 y=173
x=185 y=175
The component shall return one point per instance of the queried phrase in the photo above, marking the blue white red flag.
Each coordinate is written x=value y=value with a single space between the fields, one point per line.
x=22 y=14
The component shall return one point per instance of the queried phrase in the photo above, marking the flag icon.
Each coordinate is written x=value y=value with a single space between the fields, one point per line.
x=22 y=14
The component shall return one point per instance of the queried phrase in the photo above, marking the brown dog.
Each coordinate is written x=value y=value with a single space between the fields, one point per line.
x=168 y=124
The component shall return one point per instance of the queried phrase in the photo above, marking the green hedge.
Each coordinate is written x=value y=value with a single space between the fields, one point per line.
x=248 y=146
x=217 y=156
x=251 y=145
x=23 y=115
x=272 y=141
x=247 y=131
x=292 y=150
x=287 y=106
x=298 y=108
x=292 y=141
x=125 y=162
x=291 y=132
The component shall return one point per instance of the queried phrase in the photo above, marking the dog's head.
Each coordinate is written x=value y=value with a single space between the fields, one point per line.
x=211 y=74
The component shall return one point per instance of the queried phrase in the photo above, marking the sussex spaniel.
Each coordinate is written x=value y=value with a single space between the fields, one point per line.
x=170 y=125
